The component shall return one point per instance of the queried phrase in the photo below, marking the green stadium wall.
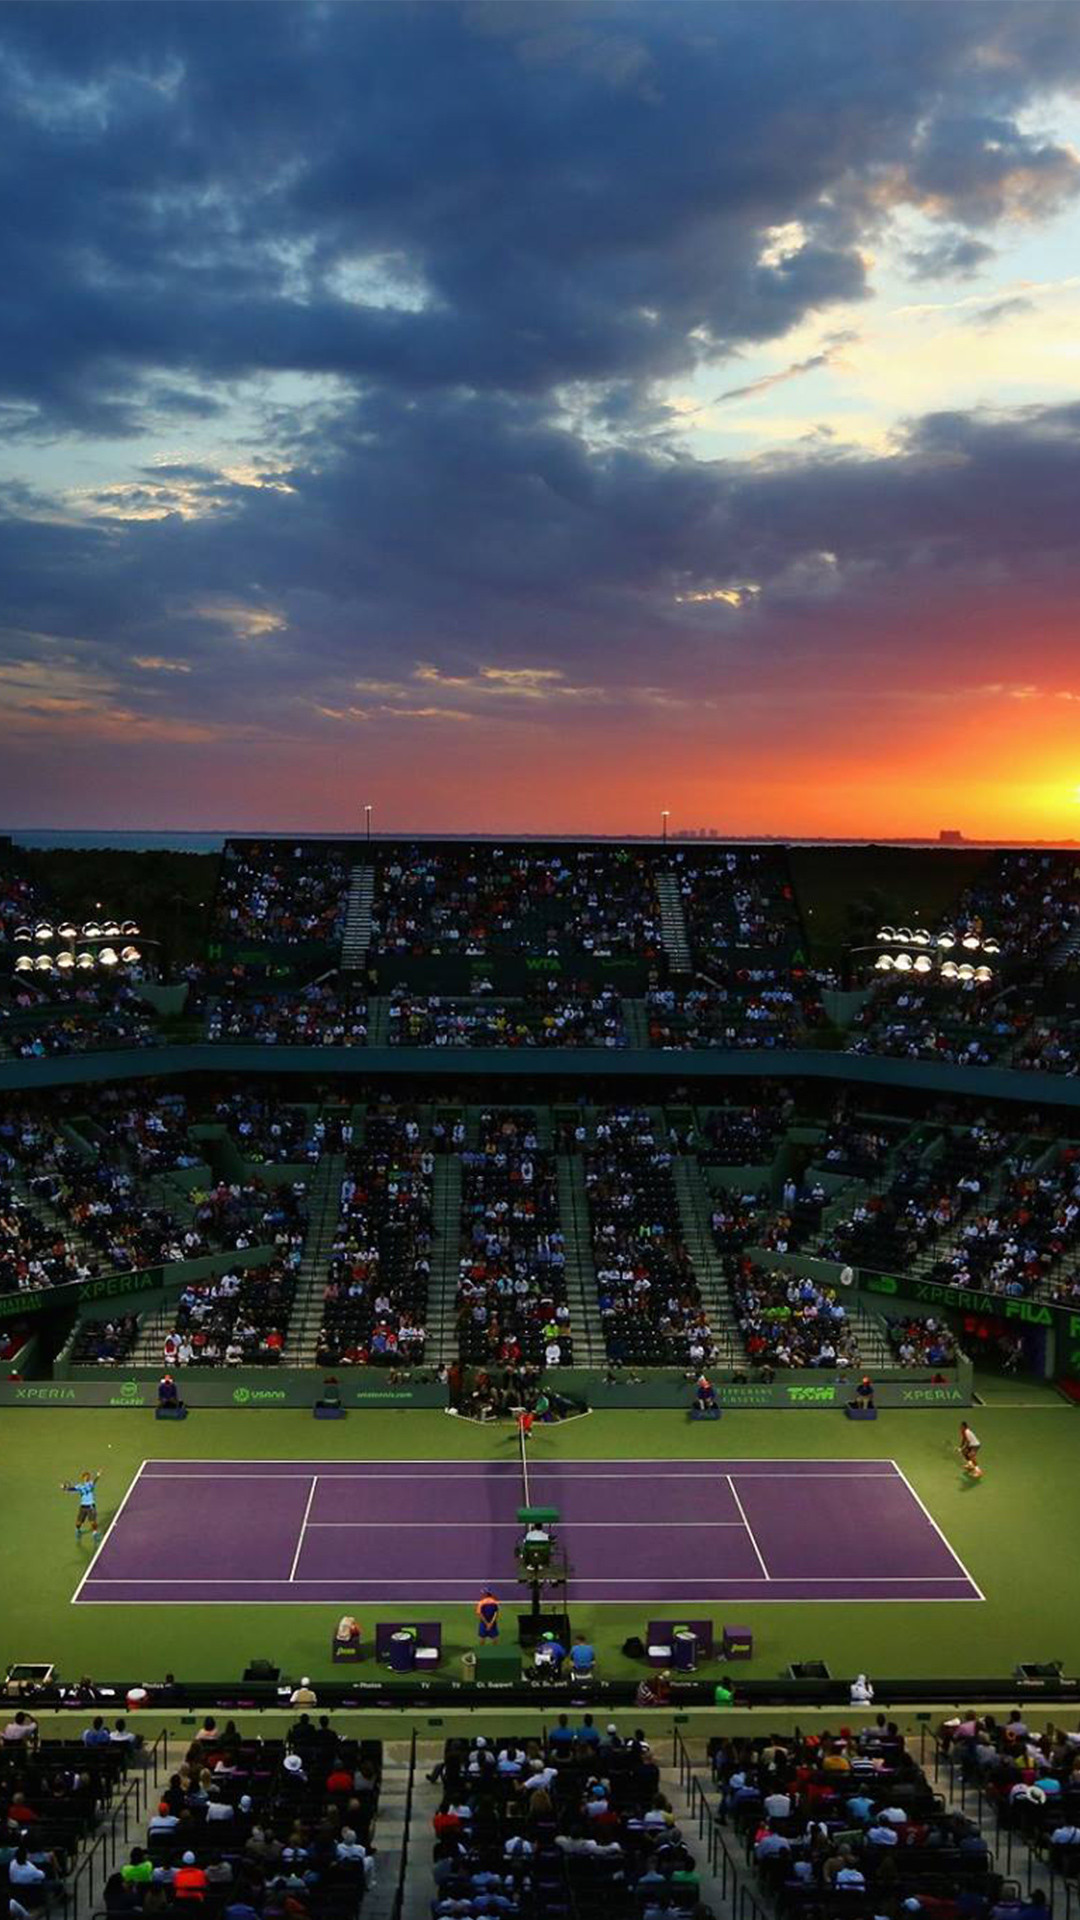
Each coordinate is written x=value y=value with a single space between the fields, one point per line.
x=540 y=1063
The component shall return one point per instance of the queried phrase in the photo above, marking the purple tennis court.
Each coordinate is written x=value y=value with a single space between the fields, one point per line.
x=665 y=1532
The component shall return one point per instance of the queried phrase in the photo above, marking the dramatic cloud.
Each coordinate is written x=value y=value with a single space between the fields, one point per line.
x=349 y=358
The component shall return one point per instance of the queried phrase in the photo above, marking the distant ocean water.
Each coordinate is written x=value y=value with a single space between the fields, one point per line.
x=128 y=842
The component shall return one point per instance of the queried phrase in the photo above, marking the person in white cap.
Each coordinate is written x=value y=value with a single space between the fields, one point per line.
x=862 y=1693
x=303 y=1695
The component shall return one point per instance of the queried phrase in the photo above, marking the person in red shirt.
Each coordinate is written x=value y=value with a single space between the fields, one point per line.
x=189 y=1882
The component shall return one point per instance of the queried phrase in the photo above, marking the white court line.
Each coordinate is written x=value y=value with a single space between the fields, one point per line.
x=746 y=1524
x=303 y=1527
x=609 y=1580
x=536 y=1473
x=591 y=1600
x=99 y=1550
x=513 y=1526
x=949 y=1549
x=511 y=1466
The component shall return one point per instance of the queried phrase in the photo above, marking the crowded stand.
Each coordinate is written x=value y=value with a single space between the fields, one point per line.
x=848 y=1822
x=745 y=1136
x=736 y=1219
x=20 y=902
x=561 y=1014
x=268 y=1131
x=478 y=900
x=790 y=1320
x=57 y=1793
x=147 y=1127
x=963 y=1025
x=751 y=1006
x=105 y=1208
x=33 y=1254
x=925 y=1201
x=322 y=1014
x=921 y=1341
x=276 y=894
x=105 y=1343
x=796 y=1220
x=575 y=1824
x=233 y=1319
x=252 y=1213
x=511 y=1298
x=281 y=1829
x=855 y=1146
x=1026 y=901
x=650 y=1303
x=1025 y=904
x=736 y=899
x=1026 y=1238
x=375 y=1299
x=44 y=1023
x=1030 y=1779
x=1051 y=1044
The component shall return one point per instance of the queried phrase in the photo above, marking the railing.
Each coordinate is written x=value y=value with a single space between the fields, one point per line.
x=116 y=1830
x=744 y=1902
x=969 y=1795
x=398 y=1907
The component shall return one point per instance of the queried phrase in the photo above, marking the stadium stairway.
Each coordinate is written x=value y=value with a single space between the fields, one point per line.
x=636 y=1022
x=869 y=1330
x=581 y=1290
x=1067 y=951
x=378 y=1020
x=356 y=937
x=324 y=1203
x=687 y=1818
x=389 y=1836
x=441 y=1346
x=694 y=1210
x=51 y=1216
x=673 y=935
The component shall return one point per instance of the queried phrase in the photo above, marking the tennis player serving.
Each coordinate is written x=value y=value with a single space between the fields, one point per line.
x=86 y=1488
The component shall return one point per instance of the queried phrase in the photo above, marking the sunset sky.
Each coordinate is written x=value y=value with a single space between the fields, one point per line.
x=534 y=416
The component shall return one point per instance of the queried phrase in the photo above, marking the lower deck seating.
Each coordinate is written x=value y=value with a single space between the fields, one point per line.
x=577 y=1827
x=284 y=1828
x=848 y=1823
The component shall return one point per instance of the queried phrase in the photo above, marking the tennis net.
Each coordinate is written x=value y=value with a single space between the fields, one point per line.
x=524 y=1446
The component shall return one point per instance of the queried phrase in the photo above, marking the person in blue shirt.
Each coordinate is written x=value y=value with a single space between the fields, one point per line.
x=86 y=1488
x=97 y=1735
x=582 y=1656
x=549 y=1656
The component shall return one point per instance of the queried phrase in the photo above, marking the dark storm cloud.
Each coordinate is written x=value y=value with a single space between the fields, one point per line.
x=440 y=559
x=566 y=194
x=494 y=231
